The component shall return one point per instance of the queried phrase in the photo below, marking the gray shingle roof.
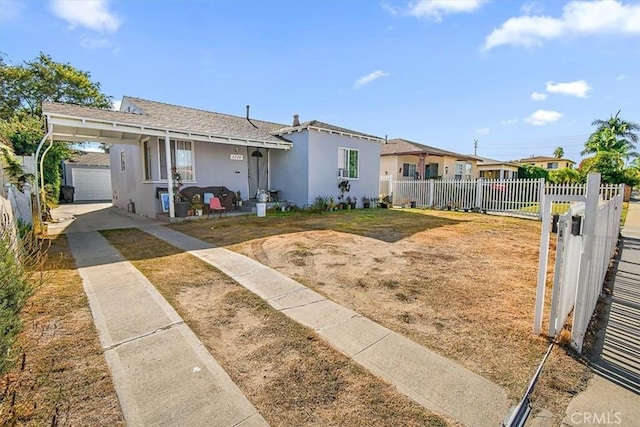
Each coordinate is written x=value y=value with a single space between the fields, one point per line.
x=399 y=146
x=90 y=158
x=172 y=117
x=325 y=126
x=195 y=120
x=191 y=120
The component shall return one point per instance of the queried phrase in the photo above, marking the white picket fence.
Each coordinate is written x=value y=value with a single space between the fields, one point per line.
x=587 y=237
x=520 y=197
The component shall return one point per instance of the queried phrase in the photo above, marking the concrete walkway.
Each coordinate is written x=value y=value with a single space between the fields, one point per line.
x=614 y=392
x=162 y=373
x=433 y=381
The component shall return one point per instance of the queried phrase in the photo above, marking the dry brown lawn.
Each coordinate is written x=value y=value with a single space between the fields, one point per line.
x=460 y=284
x=290 y=375
x=61 y=378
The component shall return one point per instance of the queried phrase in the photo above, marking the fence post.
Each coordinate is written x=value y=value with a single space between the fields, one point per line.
x=545 y=209
x=588 y=237
x=432 y=186
x=541 y=194
x=479 y=193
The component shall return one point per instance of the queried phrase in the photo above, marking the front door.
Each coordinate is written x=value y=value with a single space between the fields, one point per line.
x=258 y=170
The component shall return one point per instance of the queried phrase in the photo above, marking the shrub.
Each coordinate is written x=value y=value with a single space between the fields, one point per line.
x=18 y=256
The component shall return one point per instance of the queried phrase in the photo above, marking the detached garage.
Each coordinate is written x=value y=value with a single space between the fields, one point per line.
x=90 y=175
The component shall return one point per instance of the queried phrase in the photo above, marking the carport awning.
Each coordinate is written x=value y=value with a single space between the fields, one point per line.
x=80 y=124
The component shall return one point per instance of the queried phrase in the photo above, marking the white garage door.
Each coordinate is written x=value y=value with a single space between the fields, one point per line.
x=91 y=184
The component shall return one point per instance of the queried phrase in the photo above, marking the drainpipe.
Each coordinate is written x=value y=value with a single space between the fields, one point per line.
x=44 y=138
x=167 y=148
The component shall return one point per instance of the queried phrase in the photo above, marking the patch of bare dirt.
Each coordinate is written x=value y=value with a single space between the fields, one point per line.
x=465 y=289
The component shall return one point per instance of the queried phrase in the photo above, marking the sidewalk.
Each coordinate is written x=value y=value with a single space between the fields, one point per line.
x=162 y=373
x=614 y=392
x=435 y=382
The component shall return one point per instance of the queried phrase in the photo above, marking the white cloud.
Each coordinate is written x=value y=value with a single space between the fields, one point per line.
x=92 y=43
x=365 y=80
x=116 y=105
x=509 y=122
x=578 y=18
x=543 y=117
x=622 y=77
x=537 y=96
x=578 y=88
x=532 y=8
x=482 y=131
x=91 y=14
x=435 y=9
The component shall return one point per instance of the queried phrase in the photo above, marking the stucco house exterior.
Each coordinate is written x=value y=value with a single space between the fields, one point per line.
x=300 y=161
x=496 y=169
x=402 y=159
x=548 y=163
x=89 y=174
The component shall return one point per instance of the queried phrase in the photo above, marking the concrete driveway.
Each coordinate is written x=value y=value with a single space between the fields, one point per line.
x=80 y=217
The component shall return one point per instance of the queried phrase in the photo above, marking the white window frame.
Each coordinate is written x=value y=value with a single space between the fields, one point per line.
x=174 y=144
x=344 y=155
x=147 y=172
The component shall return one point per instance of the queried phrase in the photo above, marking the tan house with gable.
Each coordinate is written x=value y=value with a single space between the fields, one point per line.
x=548 y=163
x=403 y=159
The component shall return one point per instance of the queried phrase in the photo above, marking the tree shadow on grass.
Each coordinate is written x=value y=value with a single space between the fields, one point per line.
x=387 y=225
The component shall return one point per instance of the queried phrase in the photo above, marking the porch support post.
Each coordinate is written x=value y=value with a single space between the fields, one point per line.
x=167 y=148
x=421 y=162
x=38 y=203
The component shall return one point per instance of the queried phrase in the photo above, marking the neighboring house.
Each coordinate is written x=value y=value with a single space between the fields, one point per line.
x=496 y=169
x=549 y=163
x=90 y=176
x=402 y=159
x=299 y=162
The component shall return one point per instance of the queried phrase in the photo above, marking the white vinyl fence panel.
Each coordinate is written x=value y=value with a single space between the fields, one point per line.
x=587 y=238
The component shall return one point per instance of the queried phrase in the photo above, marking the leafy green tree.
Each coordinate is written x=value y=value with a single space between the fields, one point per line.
x=613 y=135
x=558 y=153
x=532 y=172
x=565 y=176
x=24 y=87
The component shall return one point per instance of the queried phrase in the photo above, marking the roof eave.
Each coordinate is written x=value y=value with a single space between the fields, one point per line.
x=74 y=128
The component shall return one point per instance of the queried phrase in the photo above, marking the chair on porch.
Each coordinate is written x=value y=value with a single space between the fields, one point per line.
x=216 y=206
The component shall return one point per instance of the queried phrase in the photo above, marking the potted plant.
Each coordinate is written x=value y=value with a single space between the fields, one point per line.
x=344 y=187
x=366 y=202
x=196 y=204
x=238 y=198
x=181 y=206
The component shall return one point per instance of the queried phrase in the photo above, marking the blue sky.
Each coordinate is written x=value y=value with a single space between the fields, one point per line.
x=521 y=77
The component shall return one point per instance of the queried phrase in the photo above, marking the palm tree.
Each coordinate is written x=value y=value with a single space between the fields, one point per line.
x=613 y=135
x=558 y=153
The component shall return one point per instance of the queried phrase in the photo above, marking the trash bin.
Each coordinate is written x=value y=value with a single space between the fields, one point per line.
x=413 y=205
x=67 y=193
x=261 y=208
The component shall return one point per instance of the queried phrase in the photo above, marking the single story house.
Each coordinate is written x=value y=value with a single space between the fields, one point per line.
x=89 y=174
x=549 y=163
x=403 y=159
x=496 y=169
x=296 y=162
